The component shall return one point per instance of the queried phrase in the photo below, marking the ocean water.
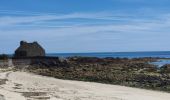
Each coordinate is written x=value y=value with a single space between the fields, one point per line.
x=159 y=63
x=161 y=54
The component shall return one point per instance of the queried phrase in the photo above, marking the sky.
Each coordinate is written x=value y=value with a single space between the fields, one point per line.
x=70 y=26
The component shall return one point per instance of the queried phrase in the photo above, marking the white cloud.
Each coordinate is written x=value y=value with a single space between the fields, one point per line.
x=12 y=20
x=128 y=30
x=46 y=19
x=126 y=23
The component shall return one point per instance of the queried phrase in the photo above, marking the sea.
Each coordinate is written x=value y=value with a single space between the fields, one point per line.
x=159 y=63
x=160 y=54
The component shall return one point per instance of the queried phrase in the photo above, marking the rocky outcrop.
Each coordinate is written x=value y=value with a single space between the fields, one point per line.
x=127 y=72
x=165 y=68
x=120 y=71
x=4 y=57
x=29 y=50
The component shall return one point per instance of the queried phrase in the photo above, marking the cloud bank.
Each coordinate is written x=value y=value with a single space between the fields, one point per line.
x=86 y=32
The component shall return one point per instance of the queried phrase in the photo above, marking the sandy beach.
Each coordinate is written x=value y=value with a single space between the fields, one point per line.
x=27 y=86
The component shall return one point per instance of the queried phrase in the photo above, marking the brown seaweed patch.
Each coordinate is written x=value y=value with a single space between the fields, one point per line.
x=36 y=95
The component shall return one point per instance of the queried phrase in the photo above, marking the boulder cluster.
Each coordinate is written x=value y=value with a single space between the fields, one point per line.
x=121 y=71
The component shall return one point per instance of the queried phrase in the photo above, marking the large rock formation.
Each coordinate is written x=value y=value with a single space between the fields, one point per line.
x=29 y=50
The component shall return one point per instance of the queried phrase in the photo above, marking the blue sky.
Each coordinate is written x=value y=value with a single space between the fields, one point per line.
x=86 y=25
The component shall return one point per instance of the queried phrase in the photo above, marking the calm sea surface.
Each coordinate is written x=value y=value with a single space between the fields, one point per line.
x=159 y=63
x=163 y=54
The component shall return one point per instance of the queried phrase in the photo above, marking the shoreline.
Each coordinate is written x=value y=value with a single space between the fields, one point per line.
x=136 y=72
x=24 y=85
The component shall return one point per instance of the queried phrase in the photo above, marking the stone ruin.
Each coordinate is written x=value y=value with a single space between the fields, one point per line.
x=29 y=50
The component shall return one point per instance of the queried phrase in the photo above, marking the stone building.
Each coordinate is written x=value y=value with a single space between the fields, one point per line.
x=29 y=50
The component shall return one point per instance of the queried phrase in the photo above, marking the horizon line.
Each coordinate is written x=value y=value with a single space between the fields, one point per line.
x=94 y=52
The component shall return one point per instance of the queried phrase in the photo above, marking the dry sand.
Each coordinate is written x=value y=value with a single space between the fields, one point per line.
x=27 y=86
